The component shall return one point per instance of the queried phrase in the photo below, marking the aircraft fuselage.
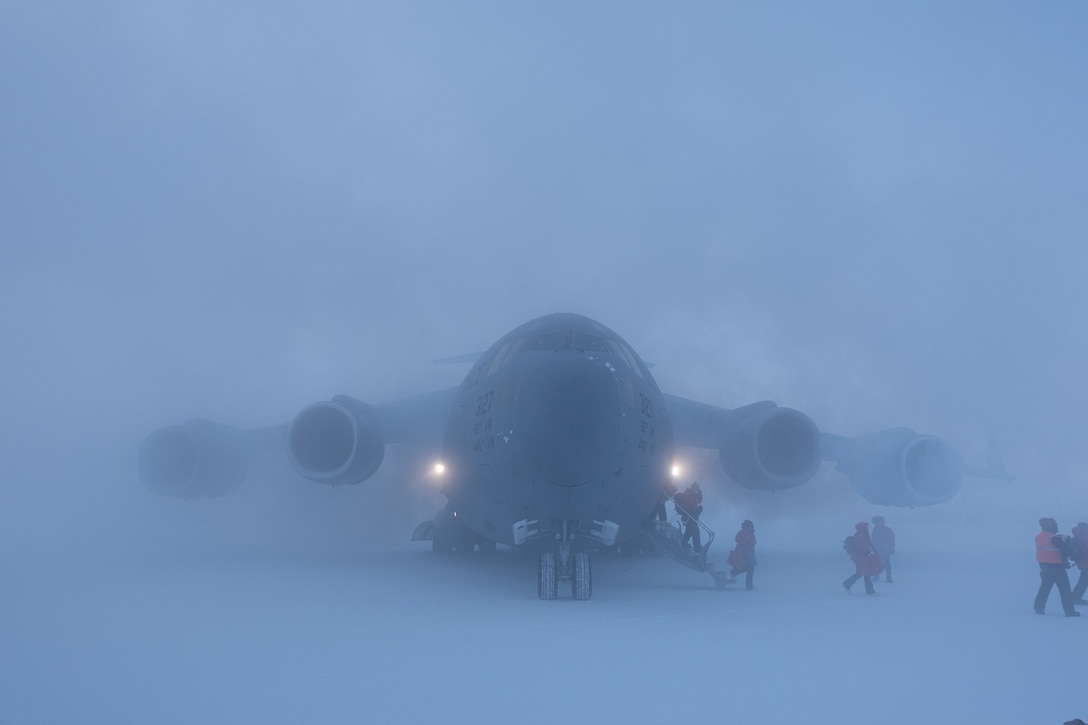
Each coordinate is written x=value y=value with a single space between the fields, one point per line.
x=559 y=422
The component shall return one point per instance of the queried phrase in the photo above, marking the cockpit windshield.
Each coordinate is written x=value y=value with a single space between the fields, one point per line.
x=624 y=353
x=588 y=343
x=568 y=342
x=550 y=341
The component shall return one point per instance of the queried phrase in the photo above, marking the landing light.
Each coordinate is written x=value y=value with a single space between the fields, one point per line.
x=435 y=476
x=676 y=470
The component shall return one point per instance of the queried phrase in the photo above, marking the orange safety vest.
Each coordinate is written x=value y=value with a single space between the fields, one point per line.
x=1045 y=551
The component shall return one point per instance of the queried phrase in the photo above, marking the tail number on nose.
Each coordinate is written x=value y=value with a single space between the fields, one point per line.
x=481 y=430
x=646 y=444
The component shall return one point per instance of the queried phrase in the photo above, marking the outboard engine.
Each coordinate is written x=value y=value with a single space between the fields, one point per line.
x=337 y=442
x=199 y=459
x=772 y=449
x=899 y=467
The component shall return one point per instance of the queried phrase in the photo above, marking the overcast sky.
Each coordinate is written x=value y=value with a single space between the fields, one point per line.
x=875 y=214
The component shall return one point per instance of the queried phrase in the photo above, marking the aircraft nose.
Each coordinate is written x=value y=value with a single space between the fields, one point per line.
x=569 y=420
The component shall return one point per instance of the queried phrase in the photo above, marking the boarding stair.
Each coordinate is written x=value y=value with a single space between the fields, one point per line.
x=668 y=535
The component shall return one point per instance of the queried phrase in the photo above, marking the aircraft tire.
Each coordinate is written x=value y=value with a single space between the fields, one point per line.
x=581 y=581
x=547 y=581
x=438 y=547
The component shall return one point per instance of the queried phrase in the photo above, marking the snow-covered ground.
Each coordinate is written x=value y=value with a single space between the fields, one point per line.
x=230 y=630
x=873 y=213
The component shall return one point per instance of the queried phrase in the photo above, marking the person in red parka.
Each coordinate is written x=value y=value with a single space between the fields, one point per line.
x=743 y=557
x=690 y=504
x=867 y=562
x=1080 y=534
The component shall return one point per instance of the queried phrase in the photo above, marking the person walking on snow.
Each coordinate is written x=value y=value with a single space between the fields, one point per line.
x=1080 y=535
x=884 y=544
x=1050 y=552
x=867 y=562
x=743 y=557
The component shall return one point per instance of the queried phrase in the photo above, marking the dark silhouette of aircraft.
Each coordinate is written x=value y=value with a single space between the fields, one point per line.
x=560 y=442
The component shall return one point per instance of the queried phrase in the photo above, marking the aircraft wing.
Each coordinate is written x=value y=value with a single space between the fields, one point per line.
x=762 y=446
x=341 y=441
x=700 y=425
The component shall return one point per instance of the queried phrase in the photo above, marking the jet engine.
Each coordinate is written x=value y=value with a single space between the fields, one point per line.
x=198 y=459
x=899 y=467
x=772 y=449
x=337 y=442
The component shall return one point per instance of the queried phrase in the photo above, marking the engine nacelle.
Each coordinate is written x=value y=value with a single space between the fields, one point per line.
x=199 y=459
x=899 y=467
x=337 y=442
x=772 y=449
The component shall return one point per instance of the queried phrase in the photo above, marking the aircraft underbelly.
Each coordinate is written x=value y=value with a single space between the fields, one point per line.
x=501 y=492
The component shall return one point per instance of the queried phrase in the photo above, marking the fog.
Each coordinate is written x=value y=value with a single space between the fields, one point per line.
x=875 y=215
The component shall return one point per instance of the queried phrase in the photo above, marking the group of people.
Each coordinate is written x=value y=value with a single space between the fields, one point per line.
x=1056 y=554
x=870 y=552
x=689 y=505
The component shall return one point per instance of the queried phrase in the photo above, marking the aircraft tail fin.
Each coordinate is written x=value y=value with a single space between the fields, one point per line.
x=995 y=465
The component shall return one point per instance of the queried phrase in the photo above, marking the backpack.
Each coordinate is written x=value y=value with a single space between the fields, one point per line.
x=1073 y=550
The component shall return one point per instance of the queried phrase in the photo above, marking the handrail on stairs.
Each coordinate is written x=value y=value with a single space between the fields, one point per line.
x=709 y=532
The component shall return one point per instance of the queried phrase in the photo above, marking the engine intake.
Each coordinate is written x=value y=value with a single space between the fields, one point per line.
x=198 y=459
x=336 y=442
x=899 y=467
x=772 y=449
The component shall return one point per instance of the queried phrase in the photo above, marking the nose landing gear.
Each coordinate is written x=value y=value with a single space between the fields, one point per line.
x=574 y=567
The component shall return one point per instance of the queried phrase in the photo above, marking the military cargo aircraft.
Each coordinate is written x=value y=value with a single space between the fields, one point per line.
x=559 y=442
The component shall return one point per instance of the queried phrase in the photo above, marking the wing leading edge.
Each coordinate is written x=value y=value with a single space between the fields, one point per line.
x=341 y=441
